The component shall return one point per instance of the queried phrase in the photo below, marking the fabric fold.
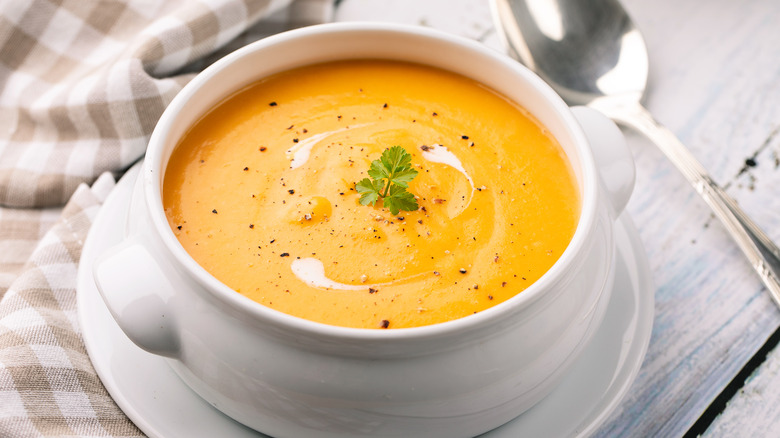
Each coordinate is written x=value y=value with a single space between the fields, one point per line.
x=85 y=82
x=82 y=85
x=48 y=386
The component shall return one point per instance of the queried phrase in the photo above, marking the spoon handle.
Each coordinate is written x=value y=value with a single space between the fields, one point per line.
x=762 y=253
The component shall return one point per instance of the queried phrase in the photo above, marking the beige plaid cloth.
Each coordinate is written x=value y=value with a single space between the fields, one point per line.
x=82 y=84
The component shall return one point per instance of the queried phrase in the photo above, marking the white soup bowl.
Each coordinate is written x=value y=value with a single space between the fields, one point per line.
x=286 y=376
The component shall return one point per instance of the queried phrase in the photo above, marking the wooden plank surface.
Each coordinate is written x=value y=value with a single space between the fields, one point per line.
x=715 y=82
x=715 y=76
x=753 y=411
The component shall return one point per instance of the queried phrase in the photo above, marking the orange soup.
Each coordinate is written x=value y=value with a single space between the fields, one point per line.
x=261 y=193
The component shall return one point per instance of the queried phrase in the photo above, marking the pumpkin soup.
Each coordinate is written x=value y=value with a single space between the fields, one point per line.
x=261 y=192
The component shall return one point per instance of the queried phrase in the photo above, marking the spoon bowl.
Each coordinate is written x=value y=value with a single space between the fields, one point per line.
x=585 y=49
x=591 y=53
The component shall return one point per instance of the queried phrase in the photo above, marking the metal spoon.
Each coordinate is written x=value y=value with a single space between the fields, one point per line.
x=590 y=52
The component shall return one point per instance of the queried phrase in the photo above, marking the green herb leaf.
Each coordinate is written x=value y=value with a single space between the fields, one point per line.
x=369 y=193
x=395 y=158
x=378 y=170
x=399 y=199
x=403 y=177
x=390 y=177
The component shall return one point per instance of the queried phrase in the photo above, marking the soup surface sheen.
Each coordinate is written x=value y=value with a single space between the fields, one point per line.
x=261 y=193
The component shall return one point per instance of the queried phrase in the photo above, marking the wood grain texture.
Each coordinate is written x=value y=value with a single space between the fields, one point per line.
x=715 y=82
x=753 y=412
x=715 y=76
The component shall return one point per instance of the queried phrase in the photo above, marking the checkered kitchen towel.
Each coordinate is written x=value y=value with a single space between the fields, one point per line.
x=82 y=83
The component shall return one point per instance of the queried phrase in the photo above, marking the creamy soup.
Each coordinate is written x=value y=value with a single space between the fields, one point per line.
x=261 y=193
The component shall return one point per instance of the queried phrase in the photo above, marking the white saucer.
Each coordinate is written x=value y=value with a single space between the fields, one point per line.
x=161 y=405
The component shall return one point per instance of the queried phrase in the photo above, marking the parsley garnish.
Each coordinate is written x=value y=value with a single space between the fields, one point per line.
x=395 y=166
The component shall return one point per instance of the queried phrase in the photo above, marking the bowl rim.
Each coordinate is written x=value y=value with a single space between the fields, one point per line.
x=153 y=175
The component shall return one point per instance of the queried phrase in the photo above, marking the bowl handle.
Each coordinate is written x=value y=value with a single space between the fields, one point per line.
x=138 y=295
x=613 y=157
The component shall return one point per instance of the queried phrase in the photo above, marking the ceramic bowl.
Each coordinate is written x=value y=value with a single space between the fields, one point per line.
x=287 y=376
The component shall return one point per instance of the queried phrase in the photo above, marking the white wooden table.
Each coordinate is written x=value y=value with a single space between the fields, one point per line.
x=711 y=367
